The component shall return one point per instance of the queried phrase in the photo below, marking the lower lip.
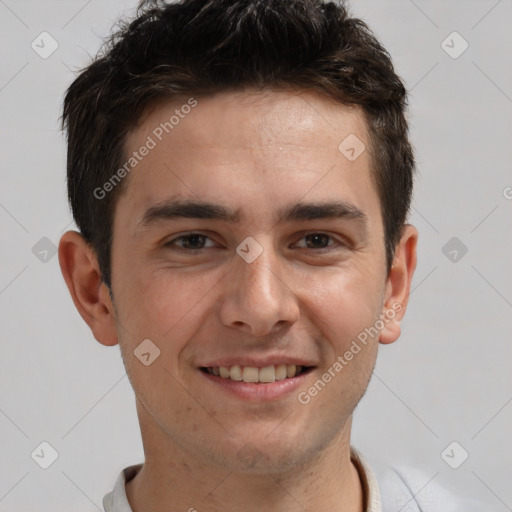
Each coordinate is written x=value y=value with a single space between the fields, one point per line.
x=258 y=392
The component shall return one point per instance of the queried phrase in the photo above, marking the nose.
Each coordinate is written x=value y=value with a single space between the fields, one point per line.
x=259 y=298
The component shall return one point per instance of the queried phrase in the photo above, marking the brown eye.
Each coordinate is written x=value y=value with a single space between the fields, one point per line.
x=191 y=242
x=320 y=241
x=317 y=240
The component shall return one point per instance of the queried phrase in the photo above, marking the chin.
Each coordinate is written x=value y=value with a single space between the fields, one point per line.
x=259 y=455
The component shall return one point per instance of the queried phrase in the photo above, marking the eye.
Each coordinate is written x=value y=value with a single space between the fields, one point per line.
x=189 y=242
x=320 y=241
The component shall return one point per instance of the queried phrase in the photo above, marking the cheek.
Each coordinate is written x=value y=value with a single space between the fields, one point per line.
x=167 y=308
x=342 y=303
x=342 y=307
x=158 y=302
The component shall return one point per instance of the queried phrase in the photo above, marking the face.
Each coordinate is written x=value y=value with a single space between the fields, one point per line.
x=248 y=246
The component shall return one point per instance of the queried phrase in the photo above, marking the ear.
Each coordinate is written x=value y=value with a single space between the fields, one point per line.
x=79 y=266
x=398 y=284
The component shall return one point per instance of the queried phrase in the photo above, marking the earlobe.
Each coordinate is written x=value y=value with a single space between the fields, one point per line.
x=80 y=269
x=399 y=284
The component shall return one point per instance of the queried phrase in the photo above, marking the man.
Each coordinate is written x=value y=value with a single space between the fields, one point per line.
x=241 y=175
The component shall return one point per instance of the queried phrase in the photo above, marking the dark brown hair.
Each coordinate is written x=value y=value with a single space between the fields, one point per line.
x=199 y=47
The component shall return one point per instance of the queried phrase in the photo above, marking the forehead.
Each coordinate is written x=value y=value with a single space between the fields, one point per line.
x=267 y=119
x=275 y=146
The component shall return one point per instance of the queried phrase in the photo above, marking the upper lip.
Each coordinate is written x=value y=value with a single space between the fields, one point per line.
x=259 y=362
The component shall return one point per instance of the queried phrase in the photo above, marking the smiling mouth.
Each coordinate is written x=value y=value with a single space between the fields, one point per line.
x=253 y=374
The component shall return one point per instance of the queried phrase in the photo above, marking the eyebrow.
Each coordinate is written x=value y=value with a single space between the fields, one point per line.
x=190 y=209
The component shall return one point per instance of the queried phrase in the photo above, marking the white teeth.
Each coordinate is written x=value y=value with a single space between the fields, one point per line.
x=267 y=374
x=280 y=372
x=236 y=373
x=250 y=374
x=254 y=374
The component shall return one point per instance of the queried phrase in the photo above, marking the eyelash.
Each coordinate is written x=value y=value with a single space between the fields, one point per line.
x=171 y=243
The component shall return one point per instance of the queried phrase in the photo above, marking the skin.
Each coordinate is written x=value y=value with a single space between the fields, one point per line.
x=256 y=152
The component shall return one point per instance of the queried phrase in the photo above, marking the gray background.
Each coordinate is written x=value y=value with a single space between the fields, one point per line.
x=447 y=379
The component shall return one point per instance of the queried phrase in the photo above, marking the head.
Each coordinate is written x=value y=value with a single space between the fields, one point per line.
x=240 y=173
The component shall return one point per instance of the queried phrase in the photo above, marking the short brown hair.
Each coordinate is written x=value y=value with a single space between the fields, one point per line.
x=200 y=47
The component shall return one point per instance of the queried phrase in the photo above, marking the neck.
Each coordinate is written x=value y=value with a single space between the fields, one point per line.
x=175 y=479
